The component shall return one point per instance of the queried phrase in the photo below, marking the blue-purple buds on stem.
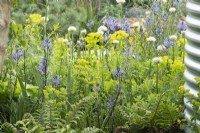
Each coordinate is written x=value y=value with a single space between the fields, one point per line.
x=43 y=66
x=56 y=80
x=118 y=72
x=17 y=55
x=46 y=43
x=168 y=43
x=182 y=26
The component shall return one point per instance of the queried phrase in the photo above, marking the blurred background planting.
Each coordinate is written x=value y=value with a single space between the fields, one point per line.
x=77 y=12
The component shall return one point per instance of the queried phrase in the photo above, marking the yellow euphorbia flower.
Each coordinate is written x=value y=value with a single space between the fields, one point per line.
x=177 y=65
x=93 y=39
x=118 y=35
x=34 y=19
x=181 y=42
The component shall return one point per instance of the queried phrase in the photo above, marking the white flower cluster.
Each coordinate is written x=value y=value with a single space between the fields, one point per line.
x=172 y=9
x=71 y=29
x=120 y=1
x=102 y=29
x=157 y=60
x=151 y=39
x=83 y=32
x=161 y=48
x=173 y=37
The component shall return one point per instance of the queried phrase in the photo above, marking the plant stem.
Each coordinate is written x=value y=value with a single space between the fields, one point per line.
x=157 y=79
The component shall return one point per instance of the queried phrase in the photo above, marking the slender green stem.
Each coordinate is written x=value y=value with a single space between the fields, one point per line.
x=173 y=53
x=157 y=79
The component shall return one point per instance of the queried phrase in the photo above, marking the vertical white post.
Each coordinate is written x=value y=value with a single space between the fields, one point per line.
x=192 y=60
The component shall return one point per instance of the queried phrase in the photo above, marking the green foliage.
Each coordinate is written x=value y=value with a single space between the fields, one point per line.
x=8 y=128
x=71 y=81
x=80 y=110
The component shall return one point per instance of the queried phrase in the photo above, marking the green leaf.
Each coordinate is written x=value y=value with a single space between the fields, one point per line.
x=24 y=94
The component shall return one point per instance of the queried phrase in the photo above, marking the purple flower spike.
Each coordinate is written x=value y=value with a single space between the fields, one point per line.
x=42 y=66
x=177 y=2
x=56 y=80
x=168 y=43
x=110 y=102
x=118 y=72
x=111 y=24
x=182 y=26
x=125 y=26
x=155 y=7
x=17 y=55
x=46 y=43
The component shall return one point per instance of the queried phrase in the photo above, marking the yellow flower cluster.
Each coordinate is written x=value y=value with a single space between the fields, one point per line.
x=181 y=42
x=34 y=19
x=93 y=40
x=54 y=94
x=177 y=65
x=174 y=65
x=84 y=69
x=118 y=35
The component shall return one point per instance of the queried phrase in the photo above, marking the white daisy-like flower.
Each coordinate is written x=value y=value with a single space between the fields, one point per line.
x=83 y=32
x=147 y=13
x=173 y=37
x=161 y=48
x=172 y=9
x=157 y=60
x=120 y=1
x=71 y=29
x=136 y=24
x=102 y=28
x=115 y=42
x=151 y=39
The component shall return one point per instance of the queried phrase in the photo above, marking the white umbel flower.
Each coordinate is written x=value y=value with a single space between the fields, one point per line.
x=115 y=42
x=120 y=1
x=161 y=48
x=157 y=60
x=164 y=1
x=83 y=32
x=45 y=19
x=100 y=32
x=172 y=9
x=102 y=28
x=71 y=29
x=147 y=13
x=151 y=39
x=136 y=24
x=65 y=40
x=173 y=37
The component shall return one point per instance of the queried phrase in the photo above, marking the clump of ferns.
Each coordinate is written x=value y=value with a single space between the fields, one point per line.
x=48 y=115
x=80 y=111
x=157 y=112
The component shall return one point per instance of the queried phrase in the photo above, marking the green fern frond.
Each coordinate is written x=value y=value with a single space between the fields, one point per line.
x=8 y=128
x=80 y=108
x=49 y=116
x=92 y=130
